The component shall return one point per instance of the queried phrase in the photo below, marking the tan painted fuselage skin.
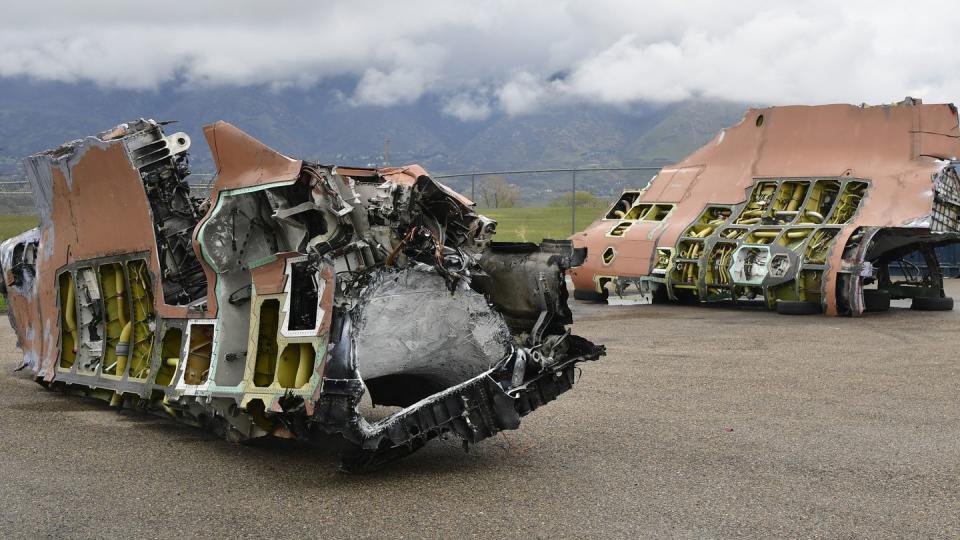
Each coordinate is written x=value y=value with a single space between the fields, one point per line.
x=894 y=160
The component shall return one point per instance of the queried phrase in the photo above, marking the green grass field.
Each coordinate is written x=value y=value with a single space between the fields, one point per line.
x=535 y=224
x=12 y=225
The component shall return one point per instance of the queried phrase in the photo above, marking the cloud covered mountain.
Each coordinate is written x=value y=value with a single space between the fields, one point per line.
x=318 y=124
x=484 y=56
x=457 y=84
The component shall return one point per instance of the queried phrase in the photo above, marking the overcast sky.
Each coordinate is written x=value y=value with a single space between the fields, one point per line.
x=512 y=56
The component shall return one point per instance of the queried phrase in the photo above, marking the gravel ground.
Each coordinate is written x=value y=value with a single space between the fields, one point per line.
x=699 y=422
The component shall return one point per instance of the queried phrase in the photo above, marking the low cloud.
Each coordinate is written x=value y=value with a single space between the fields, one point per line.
x=481 y=57
x=399 y=86
x=467 y=107
x=524 y=93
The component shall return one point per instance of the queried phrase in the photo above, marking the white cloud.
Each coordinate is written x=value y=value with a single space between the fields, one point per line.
x=479 y=56
x=467 y=107
x=522 y=93
x=399 y=86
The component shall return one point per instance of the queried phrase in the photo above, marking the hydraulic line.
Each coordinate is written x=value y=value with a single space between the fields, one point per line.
x=123 y=347
x=70 y=313
x=121 y=298
x=123 y=354
x=798 y=192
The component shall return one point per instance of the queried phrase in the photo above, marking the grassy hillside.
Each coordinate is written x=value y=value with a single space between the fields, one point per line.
x=535 y=224
x=686 y=127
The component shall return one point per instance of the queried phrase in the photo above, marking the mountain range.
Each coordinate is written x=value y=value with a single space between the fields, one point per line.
x=320 y=124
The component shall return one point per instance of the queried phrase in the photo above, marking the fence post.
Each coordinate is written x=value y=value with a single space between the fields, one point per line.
x=473 y=188
x=573 y=205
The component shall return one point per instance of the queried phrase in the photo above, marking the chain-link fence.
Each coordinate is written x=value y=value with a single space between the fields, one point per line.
x=581 y=189
x=540 y=187
x=585 y=191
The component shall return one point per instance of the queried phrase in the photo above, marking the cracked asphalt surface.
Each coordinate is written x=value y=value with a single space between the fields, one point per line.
x=699 y=422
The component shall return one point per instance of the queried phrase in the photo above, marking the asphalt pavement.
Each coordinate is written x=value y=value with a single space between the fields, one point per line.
x=699 y=422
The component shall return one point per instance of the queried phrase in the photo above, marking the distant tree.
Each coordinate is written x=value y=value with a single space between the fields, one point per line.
x=584 y=199
x=496 y=192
